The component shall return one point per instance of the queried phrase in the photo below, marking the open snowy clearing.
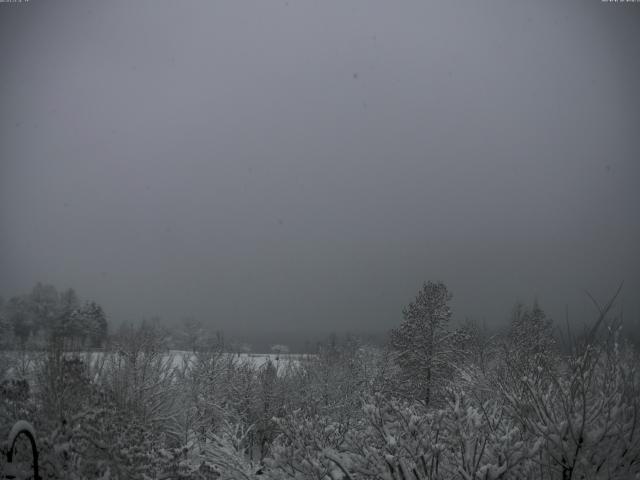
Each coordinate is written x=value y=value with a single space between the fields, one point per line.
x=21 y=364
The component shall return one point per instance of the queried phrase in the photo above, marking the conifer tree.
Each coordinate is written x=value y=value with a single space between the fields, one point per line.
x=421 y=341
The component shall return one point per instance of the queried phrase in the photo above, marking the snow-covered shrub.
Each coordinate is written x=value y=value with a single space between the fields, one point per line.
x=63 y=382
x=463 y=440
x=221 y=455
x=586 y=416
x=299 y=451
x=139 y=376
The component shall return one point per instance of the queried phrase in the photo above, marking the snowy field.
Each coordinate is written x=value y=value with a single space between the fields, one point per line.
x=14 y=364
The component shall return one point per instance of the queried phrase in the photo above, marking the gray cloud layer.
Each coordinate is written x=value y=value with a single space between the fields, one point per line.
x=306 y=165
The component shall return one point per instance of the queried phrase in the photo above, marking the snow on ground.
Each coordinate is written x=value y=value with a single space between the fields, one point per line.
x=21 y=363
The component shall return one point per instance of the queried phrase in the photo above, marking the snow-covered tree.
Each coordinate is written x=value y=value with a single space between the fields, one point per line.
x=421 y=343
x=529 y=346
x=6 y=334
x=44 y=302
x=193 y=332
x=20 y=316
x=95 y=322
x=531 y=334
x=69 y=324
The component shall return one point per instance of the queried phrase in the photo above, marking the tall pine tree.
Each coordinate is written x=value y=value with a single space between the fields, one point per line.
x=421 y=341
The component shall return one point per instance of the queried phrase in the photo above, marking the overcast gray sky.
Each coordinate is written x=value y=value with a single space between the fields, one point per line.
x=306 y=165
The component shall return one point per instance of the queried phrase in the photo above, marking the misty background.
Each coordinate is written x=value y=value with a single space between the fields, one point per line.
x=303 y=166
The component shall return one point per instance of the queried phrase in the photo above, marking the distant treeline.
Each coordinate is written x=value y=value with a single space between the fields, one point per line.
x=45 y=313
